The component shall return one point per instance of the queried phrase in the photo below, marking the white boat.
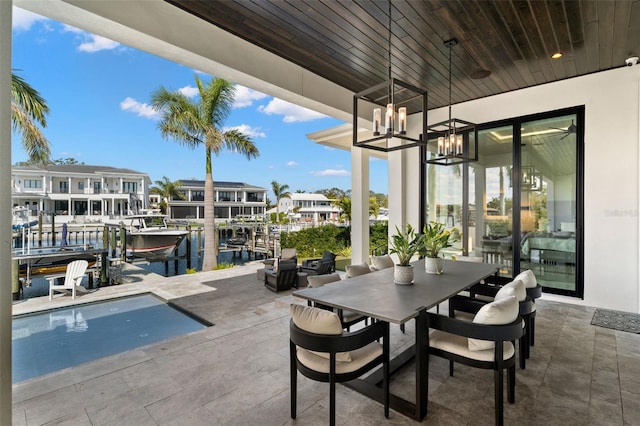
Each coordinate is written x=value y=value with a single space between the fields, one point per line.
x=149 y=237
x=20 y=219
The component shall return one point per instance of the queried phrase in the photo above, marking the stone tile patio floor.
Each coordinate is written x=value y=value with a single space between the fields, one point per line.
x=237 y=371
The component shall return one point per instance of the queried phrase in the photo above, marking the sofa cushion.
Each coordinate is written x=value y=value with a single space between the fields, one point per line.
x=318 y=321
x=320 y=280
x=528 y=277
x=355 y=270
x=382 y=262
x=514 y=288
x=503 y=311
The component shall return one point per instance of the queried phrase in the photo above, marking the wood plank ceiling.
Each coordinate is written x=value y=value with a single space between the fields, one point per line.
x=347 y=42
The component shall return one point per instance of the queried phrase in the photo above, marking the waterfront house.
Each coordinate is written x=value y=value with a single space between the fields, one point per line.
x=79 y=192
x=309 y=208
x=232 y=200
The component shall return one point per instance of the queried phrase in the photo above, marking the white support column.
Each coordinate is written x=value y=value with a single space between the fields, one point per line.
x=359 y=205
x=404 y=189
x=5 y=212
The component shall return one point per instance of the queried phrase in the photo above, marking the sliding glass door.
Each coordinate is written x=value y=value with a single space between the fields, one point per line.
x=520 y=204
x=549 y=201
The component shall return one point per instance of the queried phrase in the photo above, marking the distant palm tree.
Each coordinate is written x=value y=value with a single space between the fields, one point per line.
x=167 y=190
x=199 y=122
x=28 y=109
x=344 y=204
x=280 y=191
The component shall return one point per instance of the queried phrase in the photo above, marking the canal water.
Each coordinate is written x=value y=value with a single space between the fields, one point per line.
x=40 y=286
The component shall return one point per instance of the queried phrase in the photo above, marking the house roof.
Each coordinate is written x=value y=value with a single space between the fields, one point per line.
x=78 y=168
x=219 y=184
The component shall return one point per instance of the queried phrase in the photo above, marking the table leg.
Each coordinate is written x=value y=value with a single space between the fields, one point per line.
x=422 y=364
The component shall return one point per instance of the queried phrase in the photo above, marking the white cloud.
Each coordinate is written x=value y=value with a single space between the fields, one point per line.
x=91 y=43
x=331 y=172
x=253 y=132
x=292 y=113
x=291 y=163
x=245 y=96
x=23 y=19
x=139 y=108
x=189 y=91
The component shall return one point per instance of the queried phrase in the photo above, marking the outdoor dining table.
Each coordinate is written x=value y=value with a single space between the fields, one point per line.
x=375 y=295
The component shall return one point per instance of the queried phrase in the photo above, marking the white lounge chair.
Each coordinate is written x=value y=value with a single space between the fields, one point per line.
x=72 y=279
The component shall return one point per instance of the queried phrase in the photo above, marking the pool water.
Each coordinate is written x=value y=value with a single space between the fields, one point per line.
x=54 y=340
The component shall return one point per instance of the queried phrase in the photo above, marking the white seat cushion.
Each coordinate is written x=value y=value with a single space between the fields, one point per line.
x=359 y=358
x=355 y=270
x=458 y=345
x=514 y=288
x=503 y=311
x=528 y=277
x=319 y=321
x=382 y=262
x=320 y=280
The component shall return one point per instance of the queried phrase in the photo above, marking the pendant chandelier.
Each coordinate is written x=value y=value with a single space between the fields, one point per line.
x=398 y=100
x=453 y=141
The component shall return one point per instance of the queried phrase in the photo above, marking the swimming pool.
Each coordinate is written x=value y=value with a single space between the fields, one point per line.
x=54 y=340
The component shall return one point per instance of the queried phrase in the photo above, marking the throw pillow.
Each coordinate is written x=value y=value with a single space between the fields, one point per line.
x=503 y=311
x=528 y=277
x=320 y=280
x=382 y=262
x=514 y=288
x=355 y=270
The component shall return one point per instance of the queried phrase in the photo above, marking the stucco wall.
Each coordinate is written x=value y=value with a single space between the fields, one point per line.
x=612 y=128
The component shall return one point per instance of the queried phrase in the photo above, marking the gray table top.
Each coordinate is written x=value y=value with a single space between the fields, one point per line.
x=375 y=294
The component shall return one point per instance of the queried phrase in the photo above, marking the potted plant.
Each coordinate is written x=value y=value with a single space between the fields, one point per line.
x=433 y=239
x=404 y=244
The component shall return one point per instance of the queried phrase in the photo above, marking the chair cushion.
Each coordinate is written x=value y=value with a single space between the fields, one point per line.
x=382 y=262
x=288 y=253
x=458 y=345
x=528 y=277
x=320 y=280
x=318 y=321
x=503 y=311
x=514 y=288
x=348 y=316
x=359 y=358
x=355 y=270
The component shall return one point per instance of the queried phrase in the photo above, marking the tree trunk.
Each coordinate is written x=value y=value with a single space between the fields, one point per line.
x=210 y=260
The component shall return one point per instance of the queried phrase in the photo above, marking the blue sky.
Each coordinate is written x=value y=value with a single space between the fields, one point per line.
x=98 y=91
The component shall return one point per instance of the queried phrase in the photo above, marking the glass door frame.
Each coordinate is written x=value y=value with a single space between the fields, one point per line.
x=516 y=123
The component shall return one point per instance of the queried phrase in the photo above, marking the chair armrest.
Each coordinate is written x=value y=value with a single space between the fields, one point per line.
x=340 y=342
x=271 y=273
x=54 y=277
x=465 y=304
x=310 y=262
x=494 y=332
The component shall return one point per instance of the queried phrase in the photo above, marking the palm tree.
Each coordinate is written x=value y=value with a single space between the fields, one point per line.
x=28 y=109
x=167 y=190
x=344 y=204
x=199 y=122
x=280 y=191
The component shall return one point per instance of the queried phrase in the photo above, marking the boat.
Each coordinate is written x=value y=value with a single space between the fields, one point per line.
x=239 y=240
x=149 y=237
x=51 y=260
x=20 y=219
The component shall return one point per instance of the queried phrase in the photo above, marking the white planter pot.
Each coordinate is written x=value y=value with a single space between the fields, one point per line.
x=403 y=275
x=433 y=265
